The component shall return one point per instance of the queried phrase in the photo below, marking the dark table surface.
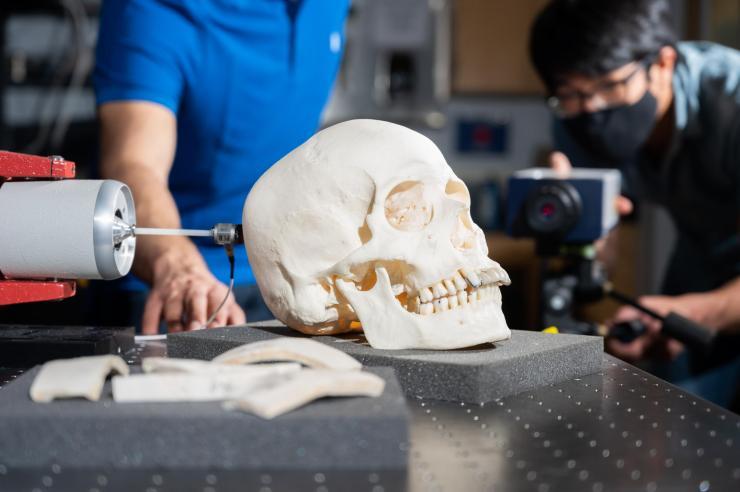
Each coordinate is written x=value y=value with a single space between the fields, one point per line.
x=617 y=429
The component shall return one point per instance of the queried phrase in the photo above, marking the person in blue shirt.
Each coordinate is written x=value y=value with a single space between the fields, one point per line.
x=196 y=99
x=625 y=93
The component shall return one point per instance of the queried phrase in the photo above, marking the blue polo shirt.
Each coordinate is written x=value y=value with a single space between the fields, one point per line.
x=246 y=79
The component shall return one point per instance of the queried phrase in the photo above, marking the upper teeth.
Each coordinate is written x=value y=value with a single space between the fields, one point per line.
x=459 y=282
x=451 y=289
x=425 y=294
x=439 y=290
x=465 y=287
x=471 y=277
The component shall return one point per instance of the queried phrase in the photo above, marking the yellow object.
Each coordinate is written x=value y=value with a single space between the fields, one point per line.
x=551 y=329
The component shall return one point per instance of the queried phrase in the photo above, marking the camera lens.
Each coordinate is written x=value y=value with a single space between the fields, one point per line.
x=548 y=210
x=552 y=208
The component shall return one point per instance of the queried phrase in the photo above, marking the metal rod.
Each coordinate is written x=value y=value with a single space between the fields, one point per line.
x=153 y=231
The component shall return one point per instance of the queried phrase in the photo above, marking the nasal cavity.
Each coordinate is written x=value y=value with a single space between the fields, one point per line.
x=463 y=235
x=364 y=232
x=407 y=208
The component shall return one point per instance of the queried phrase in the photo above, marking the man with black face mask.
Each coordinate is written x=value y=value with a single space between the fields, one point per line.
x=626 y=94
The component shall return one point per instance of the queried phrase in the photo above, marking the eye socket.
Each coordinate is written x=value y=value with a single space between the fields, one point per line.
x=407 y=208
x=458 y=191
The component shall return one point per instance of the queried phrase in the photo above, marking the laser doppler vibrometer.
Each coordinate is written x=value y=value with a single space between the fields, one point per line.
x=566 y=214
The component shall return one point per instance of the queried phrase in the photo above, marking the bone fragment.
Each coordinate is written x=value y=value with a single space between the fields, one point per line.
x=187 y=387
x=194 y=366
x=308 y=352
x=74 y=378
x=304 y=387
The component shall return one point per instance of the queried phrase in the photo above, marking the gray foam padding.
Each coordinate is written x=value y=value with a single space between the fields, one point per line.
x=479 y=374
x=329 y=434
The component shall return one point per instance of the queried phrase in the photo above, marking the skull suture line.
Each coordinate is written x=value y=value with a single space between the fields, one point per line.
x=365 y=222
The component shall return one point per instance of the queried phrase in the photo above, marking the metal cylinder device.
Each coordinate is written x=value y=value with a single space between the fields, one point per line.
x=65 y=229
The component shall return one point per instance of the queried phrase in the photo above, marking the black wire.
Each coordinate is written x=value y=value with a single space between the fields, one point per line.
x=230 y=254
x=633 y=302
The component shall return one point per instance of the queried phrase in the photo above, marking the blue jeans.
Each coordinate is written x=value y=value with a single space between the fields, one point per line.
x=718 y=385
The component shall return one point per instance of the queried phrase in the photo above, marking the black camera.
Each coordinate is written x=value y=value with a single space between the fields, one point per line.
x=577 y=208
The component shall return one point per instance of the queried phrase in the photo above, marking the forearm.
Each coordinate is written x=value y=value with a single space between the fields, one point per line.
x=138 y=141
x=726 y=301
x=155 y=207
x=137 y=147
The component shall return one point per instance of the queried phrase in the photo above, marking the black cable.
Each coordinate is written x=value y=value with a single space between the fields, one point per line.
x=230 y=255
x=625 y=299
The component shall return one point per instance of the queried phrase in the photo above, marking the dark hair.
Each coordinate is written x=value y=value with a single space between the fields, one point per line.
x=593 y=37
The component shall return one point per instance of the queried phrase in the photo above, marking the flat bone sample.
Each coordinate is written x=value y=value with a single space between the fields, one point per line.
x=305 y=386
x=195 y=366
x=339 y=435
x=186 y=387
x=81 y=377
x=308 y=352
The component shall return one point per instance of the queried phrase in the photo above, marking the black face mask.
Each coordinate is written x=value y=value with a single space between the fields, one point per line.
x=615 y=134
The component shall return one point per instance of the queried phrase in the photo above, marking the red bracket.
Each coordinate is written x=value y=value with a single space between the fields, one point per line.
x=15 y=166
x=21 y=291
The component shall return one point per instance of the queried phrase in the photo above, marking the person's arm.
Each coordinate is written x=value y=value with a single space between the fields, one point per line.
x=138 y=142
x=726 y=299
x=718 y=310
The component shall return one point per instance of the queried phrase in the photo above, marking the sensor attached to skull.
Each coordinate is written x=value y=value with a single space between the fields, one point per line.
x=365 y=226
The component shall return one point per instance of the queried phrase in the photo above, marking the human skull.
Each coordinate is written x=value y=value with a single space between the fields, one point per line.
x=366 y=226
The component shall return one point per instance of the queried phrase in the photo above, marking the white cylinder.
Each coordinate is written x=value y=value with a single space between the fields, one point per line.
x=64 y=229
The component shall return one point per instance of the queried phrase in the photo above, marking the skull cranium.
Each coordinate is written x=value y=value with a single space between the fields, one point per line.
x=366 y=225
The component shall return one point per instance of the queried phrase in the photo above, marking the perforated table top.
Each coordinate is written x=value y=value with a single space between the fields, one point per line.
x=617 y=429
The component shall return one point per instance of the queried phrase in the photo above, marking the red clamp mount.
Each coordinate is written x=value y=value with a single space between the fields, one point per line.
x=17 y=167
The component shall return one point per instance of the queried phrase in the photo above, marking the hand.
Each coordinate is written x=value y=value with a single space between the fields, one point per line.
x=560 y=163
x=606 y=247
x=697 y=307
x=138 y=143
x=185 y=293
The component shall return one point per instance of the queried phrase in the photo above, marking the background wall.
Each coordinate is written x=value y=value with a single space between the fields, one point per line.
x=47 y=105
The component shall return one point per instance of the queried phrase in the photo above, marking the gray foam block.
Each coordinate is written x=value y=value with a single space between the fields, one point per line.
x=329 y=434
x=478 y=374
